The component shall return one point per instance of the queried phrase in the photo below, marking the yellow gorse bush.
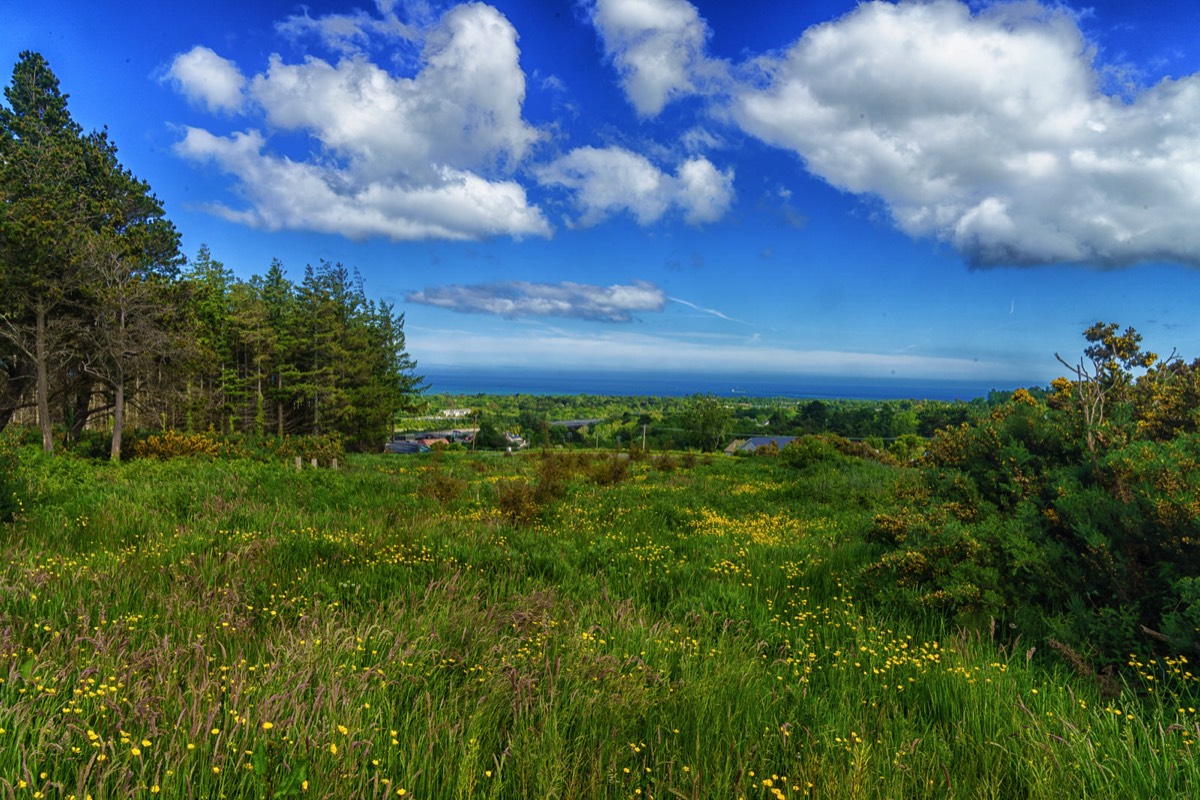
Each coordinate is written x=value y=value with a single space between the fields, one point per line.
x=173 y=444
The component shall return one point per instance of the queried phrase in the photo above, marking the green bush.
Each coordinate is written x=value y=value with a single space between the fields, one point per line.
x=806 y=451
x=908 y=447
x=323 y=448
x=609 y=471
x=440 y=486
x=1017 y=520
x=517 y=502
x=1182 y=624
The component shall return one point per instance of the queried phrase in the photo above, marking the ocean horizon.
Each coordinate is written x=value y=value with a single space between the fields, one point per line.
x=507 y=381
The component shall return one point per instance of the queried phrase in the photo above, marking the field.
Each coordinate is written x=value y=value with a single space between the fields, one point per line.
x=462 y=625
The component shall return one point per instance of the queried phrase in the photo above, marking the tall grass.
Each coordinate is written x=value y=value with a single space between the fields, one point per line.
x=199 y=628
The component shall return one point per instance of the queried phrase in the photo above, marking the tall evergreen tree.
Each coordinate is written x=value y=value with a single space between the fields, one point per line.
x=70 y=215
x=207 y=286
x=43 y=216
x=279 y=296
x=132 y=251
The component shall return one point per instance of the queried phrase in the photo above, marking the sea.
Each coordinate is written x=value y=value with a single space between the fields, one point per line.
x=471 y=380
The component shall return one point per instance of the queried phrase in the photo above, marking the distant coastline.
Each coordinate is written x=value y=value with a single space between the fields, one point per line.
x=469 y=380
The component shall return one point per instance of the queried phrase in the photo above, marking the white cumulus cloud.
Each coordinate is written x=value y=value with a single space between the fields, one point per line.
x=416 y=156
x=612 y=179
x=286 y=194
x=657 y=47
x=208 y=79
x=462 y=108
x=988 y=131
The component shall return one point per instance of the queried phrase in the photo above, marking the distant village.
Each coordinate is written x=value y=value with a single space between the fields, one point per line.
x=426 y=440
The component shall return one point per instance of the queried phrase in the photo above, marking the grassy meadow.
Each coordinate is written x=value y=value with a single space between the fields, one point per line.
x=458 y=626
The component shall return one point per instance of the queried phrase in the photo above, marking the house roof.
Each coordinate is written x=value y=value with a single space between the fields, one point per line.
x=755 y=442
x=405 y=447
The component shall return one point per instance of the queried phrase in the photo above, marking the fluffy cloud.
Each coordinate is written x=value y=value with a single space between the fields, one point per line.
x=206 y=78
x=612 y=179
x=462 y=108
x=514 y=299
x=285 y=194
x=657 y=47
x=987 y=131
x=414 y=157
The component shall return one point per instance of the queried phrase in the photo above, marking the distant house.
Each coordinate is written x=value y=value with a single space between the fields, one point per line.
x=751 y=445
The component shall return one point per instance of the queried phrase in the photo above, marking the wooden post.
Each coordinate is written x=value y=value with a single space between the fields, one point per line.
x=298 y=463
x=314 y=463
x=334 y=464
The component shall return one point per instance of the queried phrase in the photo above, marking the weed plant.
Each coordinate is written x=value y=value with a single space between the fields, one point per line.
x=200 y=627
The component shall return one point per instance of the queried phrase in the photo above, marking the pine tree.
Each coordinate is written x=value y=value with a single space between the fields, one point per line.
x=43 y=217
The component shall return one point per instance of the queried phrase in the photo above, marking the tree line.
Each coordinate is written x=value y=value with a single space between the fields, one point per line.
x=102 y=316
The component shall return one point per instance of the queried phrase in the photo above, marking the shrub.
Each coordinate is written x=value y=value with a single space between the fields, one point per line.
x=908 y=447
x=521 y=501
x=173 y=444
x=871 y=450
x=609 y=471
x=806 y=451
x=1182 y=625
x=92 y=444
x=517 y=502
x=664 y=463
x=553 y=473
x=323 y=448
x=768 y=449
x=441 y=487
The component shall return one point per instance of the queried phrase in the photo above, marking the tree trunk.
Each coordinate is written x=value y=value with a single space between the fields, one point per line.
x=43 y=381
x=81 y=405
x=118 y=415
x=260 y=408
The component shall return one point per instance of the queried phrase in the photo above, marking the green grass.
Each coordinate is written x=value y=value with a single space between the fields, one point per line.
x=196 y=628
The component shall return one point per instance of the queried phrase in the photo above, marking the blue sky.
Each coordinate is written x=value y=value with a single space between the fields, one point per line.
x=885 y=190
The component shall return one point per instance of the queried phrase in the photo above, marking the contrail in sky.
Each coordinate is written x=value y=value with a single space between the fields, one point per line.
x=711 y=311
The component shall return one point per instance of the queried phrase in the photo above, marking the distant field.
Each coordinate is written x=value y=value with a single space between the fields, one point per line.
x=578 y=626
